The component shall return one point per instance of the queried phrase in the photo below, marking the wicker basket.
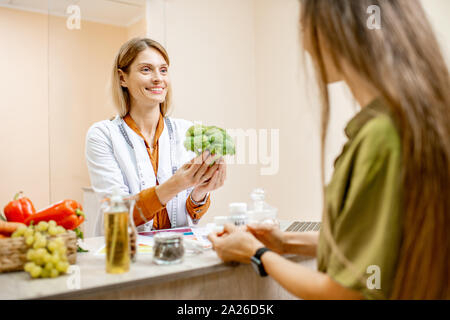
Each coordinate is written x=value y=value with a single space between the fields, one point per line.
x=13 y=251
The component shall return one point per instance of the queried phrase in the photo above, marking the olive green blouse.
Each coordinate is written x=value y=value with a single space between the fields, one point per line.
x=363 y=205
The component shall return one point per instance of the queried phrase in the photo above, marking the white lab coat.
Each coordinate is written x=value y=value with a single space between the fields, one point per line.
x=117 y=156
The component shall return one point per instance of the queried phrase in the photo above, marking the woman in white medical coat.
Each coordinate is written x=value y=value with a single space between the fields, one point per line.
x=141 y=150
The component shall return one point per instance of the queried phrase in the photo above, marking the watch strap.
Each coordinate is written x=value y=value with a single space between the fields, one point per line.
x=260 y=252
x=257 y=260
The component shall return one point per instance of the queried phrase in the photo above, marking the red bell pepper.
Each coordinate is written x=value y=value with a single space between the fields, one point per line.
x=74 y=220
x=71 y=222
x=19 y=209
x=60 y=212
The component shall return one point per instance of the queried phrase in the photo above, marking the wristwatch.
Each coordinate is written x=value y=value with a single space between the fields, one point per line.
x=257 y=263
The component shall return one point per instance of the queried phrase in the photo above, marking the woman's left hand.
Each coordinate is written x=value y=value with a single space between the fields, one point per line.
x=215 y=182
x=234 y=244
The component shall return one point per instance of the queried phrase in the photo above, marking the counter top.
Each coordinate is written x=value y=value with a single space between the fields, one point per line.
x=89 y=276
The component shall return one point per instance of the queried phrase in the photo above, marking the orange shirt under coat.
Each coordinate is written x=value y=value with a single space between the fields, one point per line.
x=148 y=201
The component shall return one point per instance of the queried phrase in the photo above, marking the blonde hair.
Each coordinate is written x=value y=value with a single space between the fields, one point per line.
x=124 y=58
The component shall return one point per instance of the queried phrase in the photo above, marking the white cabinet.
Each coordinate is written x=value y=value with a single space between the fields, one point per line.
x=91 y=206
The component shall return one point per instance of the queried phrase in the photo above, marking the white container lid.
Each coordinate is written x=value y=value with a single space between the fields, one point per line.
x=221 y=220
x=237 y=208
x=165 y=237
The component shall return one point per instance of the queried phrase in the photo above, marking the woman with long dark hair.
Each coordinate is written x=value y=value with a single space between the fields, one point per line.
x=387 y=207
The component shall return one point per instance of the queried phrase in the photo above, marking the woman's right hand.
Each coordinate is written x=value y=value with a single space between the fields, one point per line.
x=269 y=234
x=196 y=171
x=192 y=173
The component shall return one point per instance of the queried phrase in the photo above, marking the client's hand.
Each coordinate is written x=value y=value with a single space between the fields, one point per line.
x=234 y=244
x=269 y=234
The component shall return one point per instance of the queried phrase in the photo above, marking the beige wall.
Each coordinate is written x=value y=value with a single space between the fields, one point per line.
x=24 y=160
x=283 y=102
x=80 y=67
x=138 y=29
x=57 y=75
x=438 y=11
x=212 y=45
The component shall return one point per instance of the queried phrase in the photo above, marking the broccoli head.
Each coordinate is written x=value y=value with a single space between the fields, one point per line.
x=200 y=138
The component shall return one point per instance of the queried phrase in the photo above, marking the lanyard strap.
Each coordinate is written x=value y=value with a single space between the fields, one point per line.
x=175 y=201
x=172 y=139
x=125 y=135
x=174 y=206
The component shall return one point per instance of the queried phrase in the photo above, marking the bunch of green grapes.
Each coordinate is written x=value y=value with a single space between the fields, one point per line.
x=200 y=138
x=46 y=258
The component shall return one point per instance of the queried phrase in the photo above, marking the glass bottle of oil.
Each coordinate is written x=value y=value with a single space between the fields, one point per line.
x=117 y=237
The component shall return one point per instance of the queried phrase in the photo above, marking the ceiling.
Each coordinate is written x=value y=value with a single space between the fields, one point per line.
x=115 y=12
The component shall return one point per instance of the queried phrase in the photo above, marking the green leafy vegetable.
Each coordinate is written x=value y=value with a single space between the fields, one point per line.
x=79 y=233
x=200 y=138
x=80 y=249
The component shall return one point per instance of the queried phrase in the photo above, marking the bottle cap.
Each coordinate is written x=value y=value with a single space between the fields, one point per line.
x=237 y=208
x=221 y=220
x=258 y=194
x=116 y=196
x=168 y=237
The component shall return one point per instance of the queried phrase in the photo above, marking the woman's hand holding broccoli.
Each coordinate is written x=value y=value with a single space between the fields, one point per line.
x=218 y=143
x=207 y=171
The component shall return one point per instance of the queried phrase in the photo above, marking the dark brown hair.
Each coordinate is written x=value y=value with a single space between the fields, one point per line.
x=404 y=63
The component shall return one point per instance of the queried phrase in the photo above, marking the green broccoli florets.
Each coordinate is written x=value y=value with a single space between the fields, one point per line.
x=200 y=138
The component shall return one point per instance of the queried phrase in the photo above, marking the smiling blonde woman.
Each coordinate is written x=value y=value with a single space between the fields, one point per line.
x=141 y=150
